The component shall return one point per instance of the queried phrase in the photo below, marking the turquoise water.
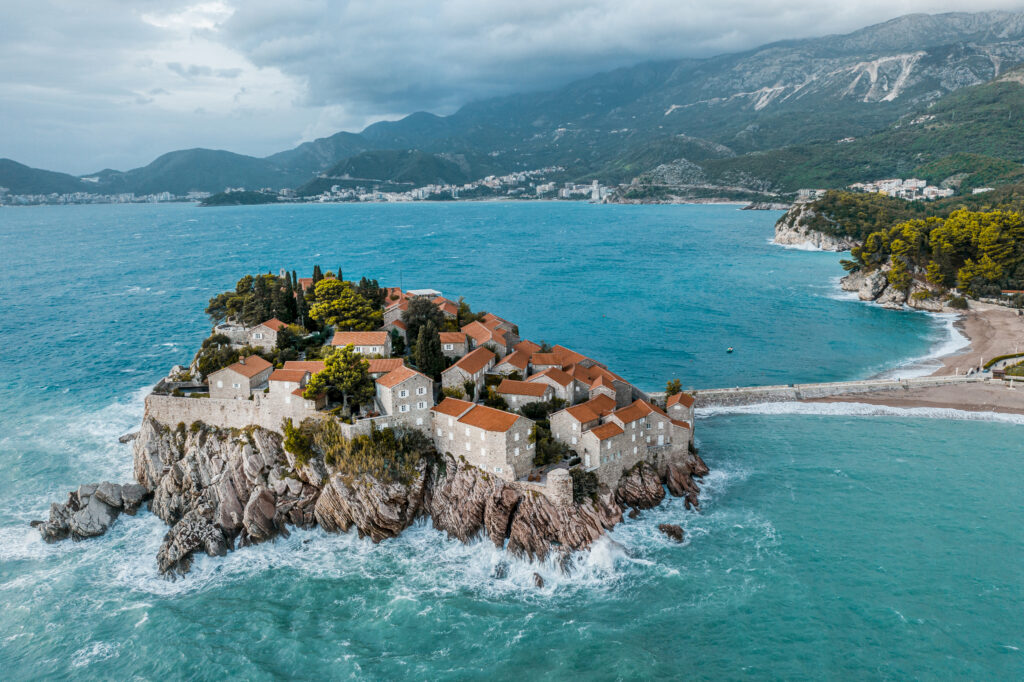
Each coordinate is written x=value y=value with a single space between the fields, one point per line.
x=835 y=541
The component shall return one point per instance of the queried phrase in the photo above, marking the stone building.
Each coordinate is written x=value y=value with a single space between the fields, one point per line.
x=288 y=385
x=264 y=335
x=520 y=393
x=516 y=362
x=240 y=379
x=454 y=344
x=491 y=440
x=407 y=395
x=471 y=367
x=367 y=344
x=558 y=380
x=680 y=406
x=569 y=424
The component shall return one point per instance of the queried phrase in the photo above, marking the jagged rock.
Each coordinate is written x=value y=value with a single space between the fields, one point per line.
x=892 y=298
x=537 y=580
x=640 y=487
x=93 y=519
x=501 y=505
x=128 y=437
x=57 y=528
x=378 y=510
x=110 y=493
x=258 y=518
x=931 y=304
x=184 y=539
x=672 y=531
x=634 y=514
x=792 y=229
x=500 y=571
x=852 y=281
x=872 y=285
x=132 y=497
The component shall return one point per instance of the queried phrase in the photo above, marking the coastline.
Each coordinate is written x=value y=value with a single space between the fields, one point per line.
x=991 y=330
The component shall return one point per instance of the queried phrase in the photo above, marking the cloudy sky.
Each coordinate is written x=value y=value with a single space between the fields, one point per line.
x=115 y=83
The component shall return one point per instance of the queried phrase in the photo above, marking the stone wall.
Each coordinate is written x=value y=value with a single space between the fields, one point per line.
x=226 y=413
x=557 y=486
x=725 y=397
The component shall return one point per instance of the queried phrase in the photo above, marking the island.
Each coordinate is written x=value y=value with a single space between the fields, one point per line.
x=320 y=401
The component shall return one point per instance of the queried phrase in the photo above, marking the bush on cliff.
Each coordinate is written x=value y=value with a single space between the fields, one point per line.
x=584 y=484
x=389 y=455
x=547 y=449
x=299 y=440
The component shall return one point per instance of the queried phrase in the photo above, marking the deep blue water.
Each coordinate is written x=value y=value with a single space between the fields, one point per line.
x=835 y=541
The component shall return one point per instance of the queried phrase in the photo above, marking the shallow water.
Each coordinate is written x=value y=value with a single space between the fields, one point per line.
x=835 y=541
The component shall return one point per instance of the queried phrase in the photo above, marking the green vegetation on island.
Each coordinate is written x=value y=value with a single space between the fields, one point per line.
x=239 y=198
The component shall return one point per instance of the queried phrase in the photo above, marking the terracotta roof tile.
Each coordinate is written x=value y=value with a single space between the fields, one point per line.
x=453 y=337
x=249 y=366
x=680 y=422
x=397 y=376
x=311 y=366
x=383 y=365
x=684 y=399
x=359 y=338
x=582 y=413
x=446 y=306
x=528 y=347
x=546 y=359
x=606 y=431
x=553 y=373
x=602 y=404
x=474 y=361
x=517 y=359
x=478 y=332
x=273 y=323
x=293 y=375
x=453 y=407
x=512 y=387
x=489 y=419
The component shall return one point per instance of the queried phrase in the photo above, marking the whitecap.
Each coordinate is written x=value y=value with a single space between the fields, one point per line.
x=853 y=409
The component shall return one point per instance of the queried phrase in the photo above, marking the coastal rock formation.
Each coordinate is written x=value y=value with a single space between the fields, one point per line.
x=672 y=530
x=793 y=229
x=874 y=286
x=90 y=510
x=218 y=488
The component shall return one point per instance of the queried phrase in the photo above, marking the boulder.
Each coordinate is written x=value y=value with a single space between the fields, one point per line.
x=892 y=298
x=93 y=519
x=110 y=493
x=537 y=580
x=132 y=497
x=673 y=531
x=640 y=488
x=872 y=285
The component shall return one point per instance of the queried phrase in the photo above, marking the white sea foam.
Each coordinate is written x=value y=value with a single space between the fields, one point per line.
x=845 y=409
x=950 y=342
x=806 y=246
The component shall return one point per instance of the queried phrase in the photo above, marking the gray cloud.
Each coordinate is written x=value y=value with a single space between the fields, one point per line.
x=117 y=82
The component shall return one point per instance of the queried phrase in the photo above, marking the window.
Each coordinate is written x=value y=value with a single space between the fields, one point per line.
x=451 y=435
x=440 y=432
x=467 y=430
x=497 y=470
x=450 y=421
x=258 y=335
x=634 y=451
x=404 y=393
x=607 y=443
x=575 y=427
x=483 y=436
x=574 y=440
x=634 y=437
x=422 y=390
x=517 y=452
x=421 y=405
x=586 y=460
x=517 y=437
x=288 y=399
x=236 y=385
x=483 y=452
x=661 y=425
x=220 y=384
x=403 y=408
x=419 y=421
x=449 y=346
x=467 y=447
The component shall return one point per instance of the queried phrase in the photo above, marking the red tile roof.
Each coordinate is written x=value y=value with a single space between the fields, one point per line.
x=528 y=347
x=446 y=306
x=293 y=375
x=546 y=359
x=680 y=422
x=474 y=361
x=553 y=373
x=397 y=376
x=478 y=332
x=311 y=366
x=606 y=431
x=359 y=338
x=568 y=356
x=602 y=404
x=453 y=337
x=684 y=399
x=399 y=324
x=512 y=387
x=582 y=413
x=383 y=365
x=517 y=359
x=489 y=419
x=249 y=366
x=453 y=407
x=273 y=323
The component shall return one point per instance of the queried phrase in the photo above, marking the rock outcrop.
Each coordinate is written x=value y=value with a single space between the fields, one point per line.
x=672 y=530
x=793 y=229
x=219 y=488
x=90 y=510
x=874 y=286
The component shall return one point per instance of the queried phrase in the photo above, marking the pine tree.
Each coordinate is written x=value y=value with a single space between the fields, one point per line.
x=429 y=357
x=301 y=309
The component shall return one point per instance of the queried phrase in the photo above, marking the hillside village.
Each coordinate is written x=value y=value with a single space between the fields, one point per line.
x=537 y=416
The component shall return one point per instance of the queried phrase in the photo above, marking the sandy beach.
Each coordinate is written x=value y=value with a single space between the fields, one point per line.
x=992 y=330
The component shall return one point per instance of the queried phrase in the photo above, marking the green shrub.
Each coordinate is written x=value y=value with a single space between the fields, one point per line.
x=452 y=392
x=584 y=484
x=299 y=441
x=957 y=302
x=998 y=358
x=389 y=455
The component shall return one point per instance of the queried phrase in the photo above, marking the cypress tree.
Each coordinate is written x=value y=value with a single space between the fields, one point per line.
x=429 y=357
x=317 y=274
x=301 y=309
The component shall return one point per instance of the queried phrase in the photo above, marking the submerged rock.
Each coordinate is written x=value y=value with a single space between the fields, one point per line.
x=673 y=531
x=89 y=511
x=537 y=580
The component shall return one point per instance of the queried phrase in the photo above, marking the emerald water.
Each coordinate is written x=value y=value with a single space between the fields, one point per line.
x=835 y=541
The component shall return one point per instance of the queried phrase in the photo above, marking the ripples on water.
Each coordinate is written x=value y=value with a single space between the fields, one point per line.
x=835 y=540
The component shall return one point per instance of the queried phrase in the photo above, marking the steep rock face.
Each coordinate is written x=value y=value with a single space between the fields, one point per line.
x=376 y=509
x=792 y=230
x=640 y=488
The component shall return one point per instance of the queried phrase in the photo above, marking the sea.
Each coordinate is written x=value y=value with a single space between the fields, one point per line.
x=835 y=541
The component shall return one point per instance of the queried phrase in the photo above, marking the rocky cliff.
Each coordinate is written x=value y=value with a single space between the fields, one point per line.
x=793 y=229
x=874 y=286
x=219 y=488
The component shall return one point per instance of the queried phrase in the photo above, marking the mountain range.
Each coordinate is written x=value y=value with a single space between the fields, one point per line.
x=748 y=120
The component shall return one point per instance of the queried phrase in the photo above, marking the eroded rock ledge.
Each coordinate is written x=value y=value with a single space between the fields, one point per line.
x=217 y=489
x=793 y=229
